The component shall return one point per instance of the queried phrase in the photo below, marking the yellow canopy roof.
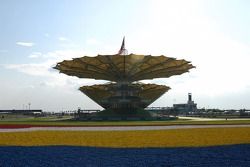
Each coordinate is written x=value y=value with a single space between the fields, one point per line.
x=124 y=67
x=147 y=92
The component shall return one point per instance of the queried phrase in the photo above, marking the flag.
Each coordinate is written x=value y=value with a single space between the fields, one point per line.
x=122 y=49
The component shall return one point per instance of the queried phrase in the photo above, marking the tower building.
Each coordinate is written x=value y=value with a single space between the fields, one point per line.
x=124 y=92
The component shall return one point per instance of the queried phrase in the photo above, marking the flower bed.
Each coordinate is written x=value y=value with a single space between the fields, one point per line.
x=156 y=138
x=58 y=156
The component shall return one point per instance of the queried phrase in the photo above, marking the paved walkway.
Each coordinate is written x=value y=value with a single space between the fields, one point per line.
x=211 y=119
x=120 y=128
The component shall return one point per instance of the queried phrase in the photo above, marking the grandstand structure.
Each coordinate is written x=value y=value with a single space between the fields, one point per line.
x=124 y=92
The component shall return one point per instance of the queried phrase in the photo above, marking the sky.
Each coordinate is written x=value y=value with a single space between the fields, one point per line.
x=213 y=34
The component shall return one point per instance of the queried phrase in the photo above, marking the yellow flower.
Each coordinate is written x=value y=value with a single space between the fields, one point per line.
x=149 y=138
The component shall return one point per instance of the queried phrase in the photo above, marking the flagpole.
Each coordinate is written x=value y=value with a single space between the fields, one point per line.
x=123 y=50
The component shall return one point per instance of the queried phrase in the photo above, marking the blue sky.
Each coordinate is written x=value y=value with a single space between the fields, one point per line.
x=35 y=35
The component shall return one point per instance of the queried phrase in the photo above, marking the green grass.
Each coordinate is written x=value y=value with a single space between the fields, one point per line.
x=65 y=120
x=54 y=121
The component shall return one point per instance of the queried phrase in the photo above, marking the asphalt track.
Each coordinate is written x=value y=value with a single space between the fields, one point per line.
x=119 y=128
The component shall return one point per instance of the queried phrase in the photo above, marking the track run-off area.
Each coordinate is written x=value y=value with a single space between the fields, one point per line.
x=114 y=128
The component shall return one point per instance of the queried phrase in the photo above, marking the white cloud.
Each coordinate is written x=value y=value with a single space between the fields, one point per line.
x=68 y=44
x=45 y=69
x=31 y=69
x=63 y=39
x=26 y=44
x=92 y=41
x=59 y=55
x=35 y=55
x=47 y=35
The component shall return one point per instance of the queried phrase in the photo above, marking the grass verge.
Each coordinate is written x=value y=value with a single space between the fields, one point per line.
x=122 y=123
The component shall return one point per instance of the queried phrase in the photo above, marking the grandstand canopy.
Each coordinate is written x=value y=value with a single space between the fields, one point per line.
x=148 y=93
x=129 y=68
